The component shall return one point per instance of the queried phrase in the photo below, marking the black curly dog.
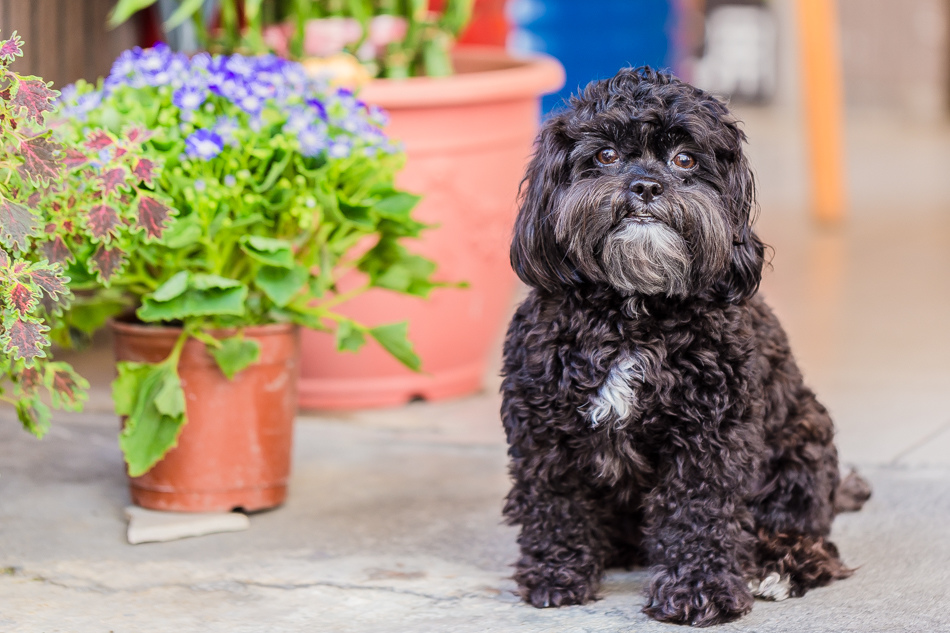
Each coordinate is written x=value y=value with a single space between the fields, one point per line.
x=654 y=412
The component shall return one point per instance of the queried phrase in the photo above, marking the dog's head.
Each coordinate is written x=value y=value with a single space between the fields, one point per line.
x=641 y=184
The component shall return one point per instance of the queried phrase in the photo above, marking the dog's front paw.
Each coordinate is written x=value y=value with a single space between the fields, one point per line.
x=544 y=596
x=543 y=586
x=708 y=601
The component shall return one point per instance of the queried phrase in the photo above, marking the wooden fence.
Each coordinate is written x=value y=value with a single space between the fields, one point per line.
x=65 y=40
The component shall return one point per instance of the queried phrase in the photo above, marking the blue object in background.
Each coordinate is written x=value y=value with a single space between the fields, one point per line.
x=592 y=39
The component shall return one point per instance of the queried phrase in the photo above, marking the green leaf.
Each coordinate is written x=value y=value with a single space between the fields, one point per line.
x=206 y=295
x=357 y=214
x=235 y=354
x=394 y=340
x=124 y=9
x=34 y=415
x=176 y=285
x=281 y=285
x=151 y=398
x=348 y=337
x=268 y=250
x=185 y=10
x=389 y=265
x=125 y=386
x=202 y=281
x=89 y=314
x=183 y=232
x=398 y=205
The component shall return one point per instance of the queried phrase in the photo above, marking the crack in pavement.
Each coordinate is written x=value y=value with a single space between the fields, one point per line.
x=91 y=586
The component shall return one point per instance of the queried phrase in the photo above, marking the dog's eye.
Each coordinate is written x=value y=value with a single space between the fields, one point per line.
x=684 y=161
x=607 y=156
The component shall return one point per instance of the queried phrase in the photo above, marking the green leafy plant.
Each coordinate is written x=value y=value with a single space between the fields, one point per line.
x=33 y=291
x=252 y=194
x=391 y=38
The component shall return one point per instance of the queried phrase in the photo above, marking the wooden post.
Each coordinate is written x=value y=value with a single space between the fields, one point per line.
x=64 y=39
x=823 y=107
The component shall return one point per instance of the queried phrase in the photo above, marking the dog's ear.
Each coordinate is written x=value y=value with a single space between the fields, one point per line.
x=748 y=252
x=535 y=254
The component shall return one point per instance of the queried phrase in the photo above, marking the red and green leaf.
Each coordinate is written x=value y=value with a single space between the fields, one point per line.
x=144 y=170
x=49 y=280
x=74 y=158
x=11 y=48
x=137 y=135
x=26 y=340
x=40 y=160
x=28 y=381
x=106 y=262
x=35 y=97
x=98 y=139
x=17 y=225
x=102 y=222
x=153 y=216
x=67 y=388
x=112 y=179
x=21 y=297
x=56 y=251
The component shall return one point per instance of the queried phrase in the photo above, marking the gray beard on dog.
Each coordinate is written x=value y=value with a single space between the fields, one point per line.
x=646 y=258
x=688 y=243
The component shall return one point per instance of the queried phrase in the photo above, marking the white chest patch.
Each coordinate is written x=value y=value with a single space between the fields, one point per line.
x=616 y=400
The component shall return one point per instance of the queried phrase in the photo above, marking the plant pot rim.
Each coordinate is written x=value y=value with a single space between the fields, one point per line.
x=485 y=74
x=119 y=325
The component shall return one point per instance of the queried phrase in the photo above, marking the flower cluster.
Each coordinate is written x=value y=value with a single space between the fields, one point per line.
x=218 y=96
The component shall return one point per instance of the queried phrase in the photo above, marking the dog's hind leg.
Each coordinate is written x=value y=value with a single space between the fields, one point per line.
x=795 y=505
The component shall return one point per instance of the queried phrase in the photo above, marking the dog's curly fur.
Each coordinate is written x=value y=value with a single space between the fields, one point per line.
x=654 y=412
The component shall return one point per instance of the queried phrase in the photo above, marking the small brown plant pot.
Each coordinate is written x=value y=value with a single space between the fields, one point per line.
x=234 y=451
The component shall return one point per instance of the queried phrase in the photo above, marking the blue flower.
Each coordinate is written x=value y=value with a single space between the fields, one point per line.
x=340 y=147
x=226 y=127
x=251 y=94
x=313 y=139
x=203 y=144
x=190 y=97
x=378 y=116
x=298 y=118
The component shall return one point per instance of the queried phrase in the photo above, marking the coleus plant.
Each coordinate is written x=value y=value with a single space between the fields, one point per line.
x=251 y=191
x=33 y=291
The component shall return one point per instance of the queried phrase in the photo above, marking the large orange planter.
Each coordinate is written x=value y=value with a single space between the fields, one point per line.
x=234 y=451
x=468 y=138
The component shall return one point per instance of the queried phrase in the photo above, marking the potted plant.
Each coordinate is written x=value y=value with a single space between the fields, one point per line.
x=253 y=190
x=33 y=291
x=468 y=118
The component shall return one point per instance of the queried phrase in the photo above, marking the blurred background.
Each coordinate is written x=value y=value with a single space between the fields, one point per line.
x=850 y=95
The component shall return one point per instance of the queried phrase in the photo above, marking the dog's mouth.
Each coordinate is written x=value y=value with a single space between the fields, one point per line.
x=640 y=217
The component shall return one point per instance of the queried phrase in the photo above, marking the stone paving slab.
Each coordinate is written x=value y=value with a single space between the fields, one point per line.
x=388 y=530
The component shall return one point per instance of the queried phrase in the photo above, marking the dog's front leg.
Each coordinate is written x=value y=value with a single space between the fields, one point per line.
x=562 y=556
x=695 y=538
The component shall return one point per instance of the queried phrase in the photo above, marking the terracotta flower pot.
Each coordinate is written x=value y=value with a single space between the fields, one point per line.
x=234 y=451
x=468 y=138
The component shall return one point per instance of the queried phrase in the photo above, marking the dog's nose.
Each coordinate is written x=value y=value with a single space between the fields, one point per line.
x=646 y=189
